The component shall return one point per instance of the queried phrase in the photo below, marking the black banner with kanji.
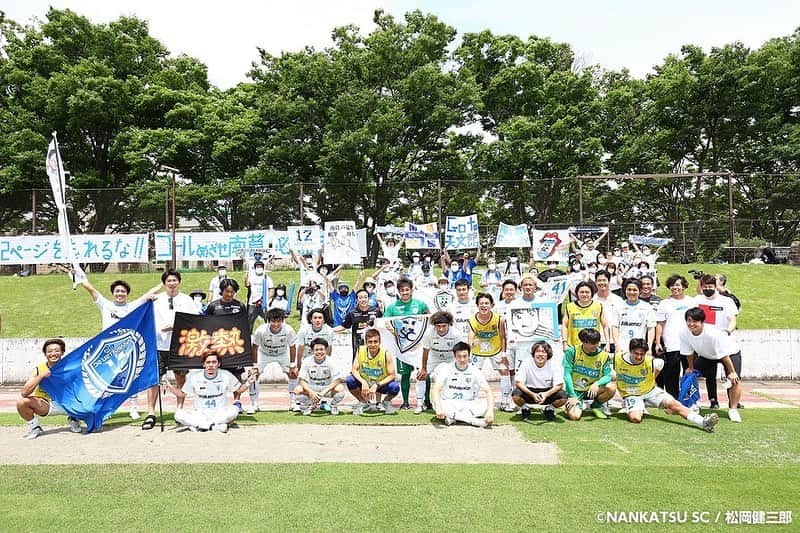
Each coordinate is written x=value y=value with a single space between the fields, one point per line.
x=227 y=335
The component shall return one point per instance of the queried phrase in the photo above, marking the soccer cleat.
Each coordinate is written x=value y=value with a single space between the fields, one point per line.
x=525 y=413
x=376 y=407
x=709 y=421
x=334 y=410
x=419 y=409
x=714 y=404
x=33 y=433
x=734 y=415
x=237 y=404
x=358 y=409
x=388 y=408
x=295 y=407
x=405 y=407
x=449 y=420
x=549 y=413
x=252 y=409
x=606 y=409
x=307 y=410
x=74 y=425
x=222 y=428
x=478 y=422
x=598 y=413
x=507 y=407
x=134 y=414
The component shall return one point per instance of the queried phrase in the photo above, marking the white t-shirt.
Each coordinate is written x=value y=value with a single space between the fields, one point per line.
x=712 y=343
x=671 y=312
x=257 y=286
x=209 y=393
x=440 y=346
x=165 y=317
x=460 y=384
x=110 y=312
x=634 y=321
x=589 y=256
x=462 y=312
x=311 y=302
x=719 y=309
x=612 y=305
x=274 y=344
x=306 y=334
x=534 y=377
x=319 y=375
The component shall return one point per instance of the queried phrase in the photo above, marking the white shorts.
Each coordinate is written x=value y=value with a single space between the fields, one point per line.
x=55 y=409
x=434 y=361
x=497 y=362
x=474 y=408
x=654 y=398
x=203 y=419
x=320 y=388
x=281 y=360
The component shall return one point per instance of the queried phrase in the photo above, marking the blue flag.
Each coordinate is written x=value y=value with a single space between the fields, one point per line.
x=91 y=382
x=690 y=391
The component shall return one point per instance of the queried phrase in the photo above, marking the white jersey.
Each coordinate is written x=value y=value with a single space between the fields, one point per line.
x=612 y=305
x=311 y=302
x=460 y=384
x=257 y=286
x=209 y=393
x=274 y=344
x=634 y=321
x=493 y=280
x=164 y=309
x=589 y=256
x=319 y=375
x=671 y=312
x=308 y=334
x=462 y=312
x=712 y=343
x=534 y=377
x=213 y=289
x=440 y=346
x=110 y=312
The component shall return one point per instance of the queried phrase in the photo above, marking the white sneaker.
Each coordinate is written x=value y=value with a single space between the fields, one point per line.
x=709 y=421
x=295 y=408
x=33 y=433
x=222 y=428
x=606 y=409
x=695 y=407
x=134 y=414
x=448 y=420
x=358 y=409
x=74 y=425
x=377 y=407
x=734 y=415
x=252 y=408
x=420 y=408
x=334 y=410
x=388 y=408
x=478 y=422
x=508 y=407
x=307 y=410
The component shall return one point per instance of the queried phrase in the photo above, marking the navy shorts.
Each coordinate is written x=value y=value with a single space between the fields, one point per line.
x=389 y=388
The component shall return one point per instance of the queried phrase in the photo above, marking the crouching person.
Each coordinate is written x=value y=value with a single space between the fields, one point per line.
x=588 y=376
x=319 y=379
x=636 y=381
x=538 y=385
x=210 y=387
x=456 y=389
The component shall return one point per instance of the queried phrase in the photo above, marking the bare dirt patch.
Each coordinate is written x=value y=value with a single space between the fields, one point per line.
x=279 y=443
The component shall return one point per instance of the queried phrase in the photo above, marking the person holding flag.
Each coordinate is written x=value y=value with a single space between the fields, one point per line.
x=35 y=401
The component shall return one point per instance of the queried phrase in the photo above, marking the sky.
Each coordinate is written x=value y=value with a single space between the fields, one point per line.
x=610 y=33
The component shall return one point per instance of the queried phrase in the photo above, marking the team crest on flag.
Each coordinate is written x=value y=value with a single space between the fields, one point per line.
x=114 y=364
x=408 y=332
x=442 y=299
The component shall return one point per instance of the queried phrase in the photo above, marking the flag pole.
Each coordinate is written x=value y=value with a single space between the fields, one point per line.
x=160 y=409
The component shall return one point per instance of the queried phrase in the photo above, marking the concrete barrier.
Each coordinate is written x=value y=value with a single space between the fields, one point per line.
x=766 y=354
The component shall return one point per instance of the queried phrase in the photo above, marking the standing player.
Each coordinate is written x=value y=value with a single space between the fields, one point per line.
x=538 y=383
x=112 y=312
x=405 y=306
x=584 y=313
x=670 y=322
x=373 y=373
x=274 y=342
x=315 y=328
x=437 y=349
x=587 y=376
x=462 y=308
x=319 y=378
x=456 y=391
x=636 y=381
x=487 y=339
x=262 y=289
x=637 y=320
x=34 y=401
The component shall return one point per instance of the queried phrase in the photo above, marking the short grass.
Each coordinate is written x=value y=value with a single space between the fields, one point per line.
x=44 y=306
x=607 y=465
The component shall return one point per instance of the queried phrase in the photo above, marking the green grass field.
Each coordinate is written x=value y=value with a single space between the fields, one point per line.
x=607 y=465
x=45 y=306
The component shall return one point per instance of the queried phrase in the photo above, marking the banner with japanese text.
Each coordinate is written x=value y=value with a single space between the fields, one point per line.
x=226 y=335
x=421 y=236
x=341 y=243
x=42 y=249
x=461 y=233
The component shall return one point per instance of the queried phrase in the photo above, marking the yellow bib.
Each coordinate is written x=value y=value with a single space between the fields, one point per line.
x=587 y=368
x=38 y=392
x=488 y=336
x=634 y=380
x=372 y=368
x=582 y=318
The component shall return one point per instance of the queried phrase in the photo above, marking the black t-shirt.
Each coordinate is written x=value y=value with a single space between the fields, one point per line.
x=358 y=320
x=549 y=273
x=218 y=307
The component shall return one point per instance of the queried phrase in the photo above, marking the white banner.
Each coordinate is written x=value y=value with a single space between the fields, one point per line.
x=341 y=243
x=42 y=249
x=512 y=236
x=305 y=240
x=551 y=245
x=461 y=233
x=421 y=236
x=528 y=322
x=402 y=337
x=210 y=245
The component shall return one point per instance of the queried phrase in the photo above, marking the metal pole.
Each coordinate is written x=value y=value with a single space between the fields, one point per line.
x=174 y=247
x=731 y=225
x=33 y=218
x=580 y=200
x=302 y=209
x=166 y=207
x=439 y=209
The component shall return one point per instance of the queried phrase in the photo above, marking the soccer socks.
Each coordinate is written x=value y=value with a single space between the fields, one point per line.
x=695 y=419
x=253 y=390
x=421 y=390
x=405 y=386
x=428 y=390
x=505 y=387
x=33 y=422
x=291 y=385
x=337 y=398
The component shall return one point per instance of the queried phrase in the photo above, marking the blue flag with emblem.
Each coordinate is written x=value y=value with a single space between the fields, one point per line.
x=690 y=391
x=92 y=381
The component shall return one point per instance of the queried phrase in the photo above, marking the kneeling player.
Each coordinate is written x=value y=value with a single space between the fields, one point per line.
x=636 y=381
x=538 y=384
x=456 y=388
x=319 y=379
x=587 y=376
x=209 y=387
x=34 y=400
x=373 y=373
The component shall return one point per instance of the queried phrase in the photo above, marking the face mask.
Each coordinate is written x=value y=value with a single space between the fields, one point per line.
x=197 y=299
x=343 y=292
x=512 y=259
x=617 y=253
x=259 y=272
x=454 y=268
x=415 y=259
x=222 y=274
x=576 y=268
x=443 y=287
x=492 y=266
x=709 y=292
x=279 y=293
x=390 y=291
x=592 y=270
